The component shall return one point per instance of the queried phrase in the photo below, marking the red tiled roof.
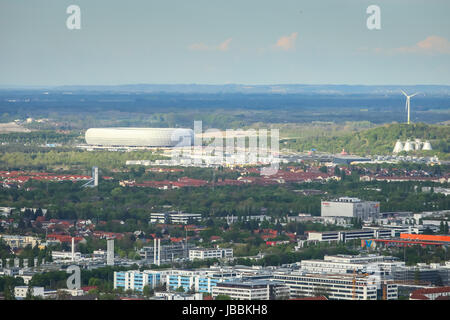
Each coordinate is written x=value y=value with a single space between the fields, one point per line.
x=88 y=288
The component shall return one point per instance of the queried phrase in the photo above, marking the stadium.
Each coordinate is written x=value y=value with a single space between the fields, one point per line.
x=139 y=137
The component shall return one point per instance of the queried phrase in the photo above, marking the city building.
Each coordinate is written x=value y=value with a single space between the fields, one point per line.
x=16 y=242
x=20 y=292
x=346 y=264
x=252 y=290
x=202 y=280
x=175 y=217
x=203 y=253
x=349 y=235
x=178 y=296
x=66 y=255
x=137 y=280
x=437 y=293
x=337 y=286
x=110 y=252
x=167 y=253
x=431 y=274
x=407 y=239
x=350 y=207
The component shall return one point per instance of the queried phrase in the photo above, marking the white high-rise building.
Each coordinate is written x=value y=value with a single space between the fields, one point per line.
x=95 y=175
x=110 y=252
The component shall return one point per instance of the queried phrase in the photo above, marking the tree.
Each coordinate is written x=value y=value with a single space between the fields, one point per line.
x=223 y=297
x=29 y=295
x=147 y=291
x=8 y=293
x=180 y=289
x=337 y=171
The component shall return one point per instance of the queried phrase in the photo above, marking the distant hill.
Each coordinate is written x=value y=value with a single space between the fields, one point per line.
x=324 y=89
x=380 y=140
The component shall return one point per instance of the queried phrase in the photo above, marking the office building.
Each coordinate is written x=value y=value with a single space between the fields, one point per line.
x=110 y=252
x=137 y=280
x=430 y=274
x=203 y=253
x=17 y=242
x=349 y=235
x=20 y=292
x=175 y=217
x=346 y=264
x=167 y=253
x=65 y=255
x=202 y=280
x=252 y=290
x=350 y=207
x=337 y=286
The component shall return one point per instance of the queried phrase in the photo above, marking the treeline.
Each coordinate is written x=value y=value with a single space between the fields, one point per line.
x=40 y=137
x=67 y=200
x=380 y=140
x=69 y=159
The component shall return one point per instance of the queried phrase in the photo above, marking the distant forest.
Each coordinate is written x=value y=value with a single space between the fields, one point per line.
x=78 y=110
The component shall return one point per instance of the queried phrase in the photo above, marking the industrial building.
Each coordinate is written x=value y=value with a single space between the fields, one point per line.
x=252 y=290
x=407 y=240
x=408 y=146
x=350 y=207
x=139 y=137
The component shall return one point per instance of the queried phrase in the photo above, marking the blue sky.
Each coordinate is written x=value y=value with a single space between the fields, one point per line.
x=217 y=42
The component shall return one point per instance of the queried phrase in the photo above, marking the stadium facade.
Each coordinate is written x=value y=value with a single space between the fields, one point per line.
x=139 y=137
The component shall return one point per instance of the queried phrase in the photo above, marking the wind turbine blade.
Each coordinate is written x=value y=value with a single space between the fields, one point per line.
x=404 y=93
x=414 y=94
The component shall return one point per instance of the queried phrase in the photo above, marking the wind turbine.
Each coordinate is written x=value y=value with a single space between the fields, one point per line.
x=408 y=102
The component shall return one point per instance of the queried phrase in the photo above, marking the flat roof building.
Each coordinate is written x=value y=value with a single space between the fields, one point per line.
x=137 y=280
x=348 y=235
x=174 y=217
x=337 y=286
x=350 y=207
x=252 y=290
x=204 y=253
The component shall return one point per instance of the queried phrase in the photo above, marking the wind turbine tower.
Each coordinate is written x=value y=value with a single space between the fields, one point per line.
x=408 y=103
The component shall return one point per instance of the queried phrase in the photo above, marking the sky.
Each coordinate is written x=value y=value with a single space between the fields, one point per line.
x=220 y=42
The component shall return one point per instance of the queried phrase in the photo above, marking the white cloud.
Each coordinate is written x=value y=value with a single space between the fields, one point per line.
x=223 y=46
x=287 y=42
x=430 y=45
